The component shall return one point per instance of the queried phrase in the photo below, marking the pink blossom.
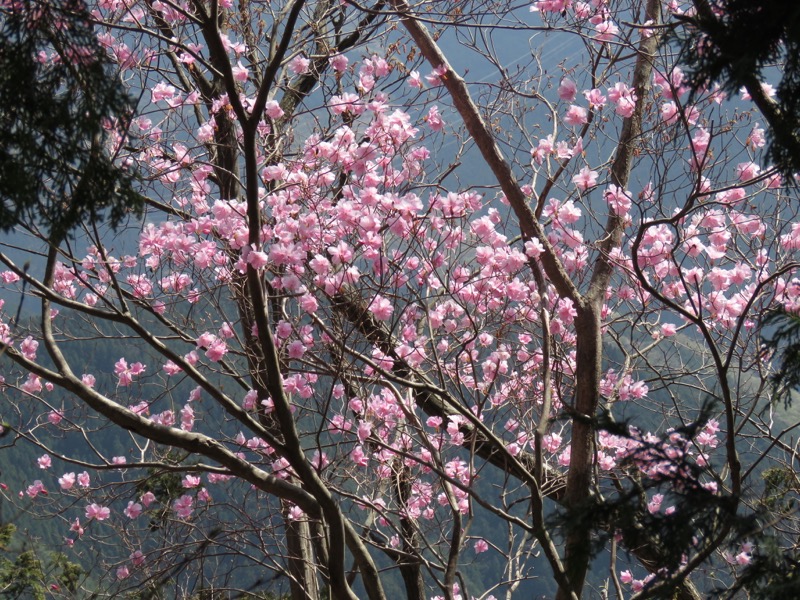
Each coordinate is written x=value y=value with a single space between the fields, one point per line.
x=9 y=277
x=669 y=112
x=133 y=510
x=240 y=72
x=76 y=527
x=542 y=150
x=143 y=408
x=705 y=438
x=205 y=132
x=309 y=303
x=359 y=457
x=28 y=348
x=567 y=90
x=283 y=330
x=163 y=91
x=434 y=422
x=296 y=349
x=165 y=418
x=255 y=258
x=626 y=106
x=299 y=64
x=97 y=512
x=576 y=116
x=413 y=355
x=273 y=110
x=618 y=199
x=377 y=65
x=606 y=31
x=170 y=368
x=583 y=10
x=190 y=481
x=123 y=572
x=775 y=181
x=566 y=311
x=382 y=308
x=533 y=248
x=66 y=481
x=757 y=138
x=700 y=141
x=364 y=431
x=217 y=350
x=32 y=385
x=605 y=462
x=368 y=245
x=436 y=76
x=585 y=179
x=126 y=373
x=338 y=62
x=366 y=82
x=434 y=119
x=554 y=6
x=563 y=151
x=187 y=418
x=249 y=401
x=44 y=461
x=624 y=98
x=731 y=197
x=552 y=442
x=36 y=488
x=747 y=170
x=595 y=98
x=655 y=503
x=184 y=506
x=205 y=339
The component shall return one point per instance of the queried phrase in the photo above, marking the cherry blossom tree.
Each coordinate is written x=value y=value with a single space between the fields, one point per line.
x=395 y=282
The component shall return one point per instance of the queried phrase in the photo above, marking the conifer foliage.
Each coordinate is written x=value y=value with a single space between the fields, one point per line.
x=60 y=101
